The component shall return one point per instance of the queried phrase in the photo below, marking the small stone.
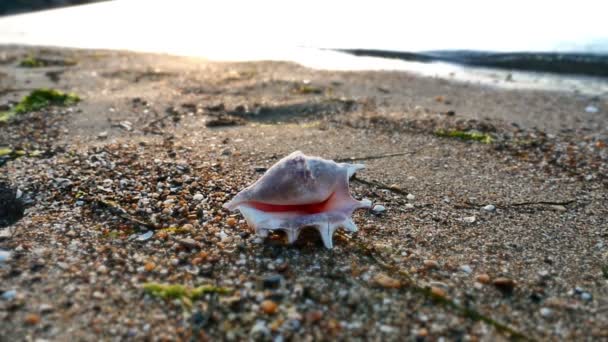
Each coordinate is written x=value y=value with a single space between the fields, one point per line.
x=145 y=236
x=504 y=284
x=4 y=256
x=483 y=278
x=378 y=209
x=410 y=197
x=149 y=266
x=591 y=109
x=198 y=197
x=546 y=312
x=102 y=135
x=45 y=308
x=231 y=221
x=422 y=333
x=98 y=295
x=586 y=296
x=31 y=319
x=188 y=243
x=469 y=219
x=269 y=307
x=489 y=208
x=259 y=331
x=313 y=316
x=367 y=203
x=558 y=207
x=466 y=269
x=431 y=264
x=9 y=295
x=409 y=206
x=386 y=281
x=438 y=292
x=102 y=269
x=273 y=281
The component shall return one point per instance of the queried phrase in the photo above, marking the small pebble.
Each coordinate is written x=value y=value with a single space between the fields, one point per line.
x=504 y=283
x=231 y=221
x=4 y=255
x=386 y=281
x=366 y=202
x=586 y=296
x=489 y=208
x=32 y=319
x=546 y=312
x=102 y=135
x=409 y=206
x=466 y=269
x=438 y=292
x=469 y=219
x=272 y=281
x=410 y=197
x=431 y=264
x=149 y=266
x=9 y=295
x=483 y=278
x=378 y=209
x=145 y=236
x=269 y=307
x=198 y=197
x=591 y=109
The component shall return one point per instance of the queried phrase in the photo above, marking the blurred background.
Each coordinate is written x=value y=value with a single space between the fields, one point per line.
x=471 y=40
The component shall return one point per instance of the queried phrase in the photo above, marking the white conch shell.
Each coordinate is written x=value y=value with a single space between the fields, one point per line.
x=300 y=191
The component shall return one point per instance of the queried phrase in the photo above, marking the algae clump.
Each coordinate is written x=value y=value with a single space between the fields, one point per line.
x=468 y=136
x=40 y=99
x=177 y=291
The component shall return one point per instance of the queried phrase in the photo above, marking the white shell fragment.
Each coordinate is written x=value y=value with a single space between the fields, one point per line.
x=297 y=192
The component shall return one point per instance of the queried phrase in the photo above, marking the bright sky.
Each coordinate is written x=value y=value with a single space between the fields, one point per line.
x=232 y=28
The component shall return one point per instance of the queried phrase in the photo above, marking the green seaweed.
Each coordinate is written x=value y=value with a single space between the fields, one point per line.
x=39 y=62
x=308 y=89
x=40 y=99
x=32 y=62
x=184 y=293
x=467 y=136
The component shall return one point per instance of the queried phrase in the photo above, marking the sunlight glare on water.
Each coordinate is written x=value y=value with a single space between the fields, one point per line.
x=240 y=30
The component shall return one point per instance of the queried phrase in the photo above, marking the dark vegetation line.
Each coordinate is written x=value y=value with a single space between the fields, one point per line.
x=584 y=64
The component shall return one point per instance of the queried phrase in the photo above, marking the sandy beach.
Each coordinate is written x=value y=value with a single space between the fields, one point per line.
x=496 y=204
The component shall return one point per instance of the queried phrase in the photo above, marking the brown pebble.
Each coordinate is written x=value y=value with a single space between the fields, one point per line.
x=483 y=278
x=269 y=307
x=149 y=266
x=32 y=319
x=314 y=316
x=386 y=281
x=423 y=333
x=431 y=264
x=231 y=221
x=438 y=292
x=504 y=283
x=188 y=243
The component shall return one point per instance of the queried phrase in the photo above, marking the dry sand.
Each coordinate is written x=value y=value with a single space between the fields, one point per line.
x=162 y=142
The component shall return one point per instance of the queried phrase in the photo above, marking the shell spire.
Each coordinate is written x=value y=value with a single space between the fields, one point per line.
x=300 y=191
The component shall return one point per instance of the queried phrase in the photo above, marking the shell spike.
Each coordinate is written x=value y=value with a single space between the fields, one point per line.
x=351 y=169
x=349 y=225
x=327 y=233
x=292 y=235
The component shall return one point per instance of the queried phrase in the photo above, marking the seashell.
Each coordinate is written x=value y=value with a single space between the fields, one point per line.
x=300 y=191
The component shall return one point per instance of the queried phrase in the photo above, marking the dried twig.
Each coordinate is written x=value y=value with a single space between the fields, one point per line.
x=115 y=209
